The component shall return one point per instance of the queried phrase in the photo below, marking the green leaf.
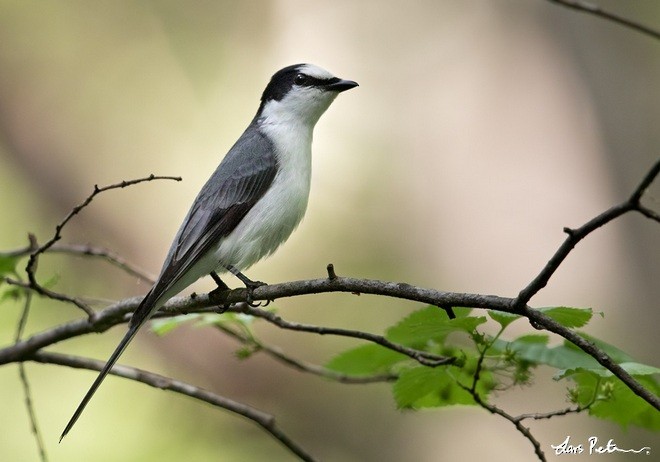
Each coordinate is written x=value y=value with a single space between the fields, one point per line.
x=166 y=325
x=534 y=348
x=208 y=319
x=564 y=356
x=430 y=324
x=51 y=282
x=12 y=293
x=569 y=317
x=626 y=408
x=616 y=402
x=526 y=347
x=504 y=319
x=615 y=353
x=567 y=356
x=632 y=368
x=365 y=360
x=639 y=369
x=421 y=387
x=532 y=339
x=8 y=264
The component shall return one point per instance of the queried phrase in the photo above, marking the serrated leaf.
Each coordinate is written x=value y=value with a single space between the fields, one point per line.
x=502 y=318
x=626 y=408
x=421 y=387
x=616 y=401
x=430 y=324
x=535 y=349
x=365 y=360
x=459 y=311
x=568 y=317
x=520 y=343
x=566 y=356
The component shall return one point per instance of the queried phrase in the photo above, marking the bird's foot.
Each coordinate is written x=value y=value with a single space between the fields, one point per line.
x=219 y=294
x=250 y=285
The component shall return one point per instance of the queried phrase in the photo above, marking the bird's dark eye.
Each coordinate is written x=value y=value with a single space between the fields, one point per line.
x=300 y=79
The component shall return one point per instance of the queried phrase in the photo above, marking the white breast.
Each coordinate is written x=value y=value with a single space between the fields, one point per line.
x=272 y=220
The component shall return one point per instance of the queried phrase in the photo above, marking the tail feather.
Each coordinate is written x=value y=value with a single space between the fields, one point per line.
x=141 y=315
x=99 y=379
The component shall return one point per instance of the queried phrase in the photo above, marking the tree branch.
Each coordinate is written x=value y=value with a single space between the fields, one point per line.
x=265 y=421
x=37 y=250
x=576 y=235
x=87 y=250
x=596 y=10
x=117 y=313
x=30 y=348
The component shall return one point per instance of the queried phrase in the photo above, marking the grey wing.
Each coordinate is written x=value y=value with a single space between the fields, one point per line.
x=238 y=183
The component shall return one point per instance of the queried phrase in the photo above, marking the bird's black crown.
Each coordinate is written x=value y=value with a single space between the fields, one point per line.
x=283 y=80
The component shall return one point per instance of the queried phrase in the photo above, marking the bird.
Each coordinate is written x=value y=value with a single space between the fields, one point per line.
x=251 y=203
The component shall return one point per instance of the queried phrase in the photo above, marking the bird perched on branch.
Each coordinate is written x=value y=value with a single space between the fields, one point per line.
x=252 y=202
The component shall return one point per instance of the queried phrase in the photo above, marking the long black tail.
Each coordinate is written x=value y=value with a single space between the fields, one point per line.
x=99 y=379
x=141 y=315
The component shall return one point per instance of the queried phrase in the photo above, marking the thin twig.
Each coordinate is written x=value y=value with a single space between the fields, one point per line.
x=25 y=313
x=551 y=414
x=303 y=366
x=596 y=10
x=86 y=250
x=423 y=357
x=576 y=235
x=51 y=294
x=266 y=421
x=516 y=422
x=105 y=254
x=31 y=267
x=27 y=392
x=472 y=389
x=29 y=405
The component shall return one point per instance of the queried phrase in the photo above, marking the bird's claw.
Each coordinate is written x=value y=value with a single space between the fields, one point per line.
x=250 y=286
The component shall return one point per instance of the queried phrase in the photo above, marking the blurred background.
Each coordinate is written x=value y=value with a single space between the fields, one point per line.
x=479 y=130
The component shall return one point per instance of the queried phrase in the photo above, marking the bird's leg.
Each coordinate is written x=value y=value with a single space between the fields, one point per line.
x=216 y=294
x=221 y=284
x=250 y=285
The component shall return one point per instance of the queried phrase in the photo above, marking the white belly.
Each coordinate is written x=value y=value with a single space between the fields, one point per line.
x=272 y=220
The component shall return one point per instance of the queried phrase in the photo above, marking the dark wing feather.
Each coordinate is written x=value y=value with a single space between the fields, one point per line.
x=242 y=178
x=238 y=183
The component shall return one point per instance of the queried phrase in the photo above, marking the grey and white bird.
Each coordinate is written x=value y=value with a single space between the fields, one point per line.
x=253 y=201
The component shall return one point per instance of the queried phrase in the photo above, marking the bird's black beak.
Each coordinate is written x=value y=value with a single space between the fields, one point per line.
x=341 y=85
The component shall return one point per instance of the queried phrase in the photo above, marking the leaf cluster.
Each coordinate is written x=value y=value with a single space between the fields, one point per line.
x=488 y=363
